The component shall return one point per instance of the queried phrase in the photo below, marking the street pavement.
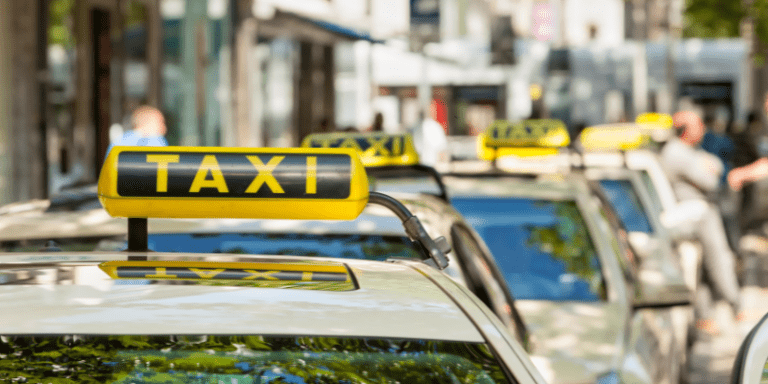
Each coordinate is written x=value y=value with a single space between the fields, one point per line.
x=712 y=356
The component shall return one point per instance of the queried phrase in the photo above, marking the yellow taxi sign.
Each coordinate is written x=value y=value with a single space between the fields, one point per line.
x=536 y=137
x=314 y=275
x=215 y=182
x=376 y=149
x=655 y=120
x=611 y=137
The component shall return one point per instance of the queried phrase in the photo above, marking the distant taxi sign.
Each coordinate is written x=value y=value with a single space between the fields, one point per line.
x=524 y=138
x=611 y=137
x=314 y=275
x=376 y=149
x=655 y=120
x=214 y=182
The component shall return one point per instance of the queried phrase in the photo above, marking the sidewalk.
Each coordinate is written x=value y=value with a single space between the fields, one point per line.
x=712 y=357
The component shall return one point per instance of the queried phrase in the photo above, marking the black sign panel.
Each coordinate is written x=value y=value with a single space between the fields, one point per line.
x=236 y=175
x=383 y=146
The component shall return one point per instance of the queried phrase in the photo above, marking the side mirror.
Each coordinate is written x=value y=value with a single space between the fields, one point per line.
x=752 y=358
x=682 y=220
x=660 y=282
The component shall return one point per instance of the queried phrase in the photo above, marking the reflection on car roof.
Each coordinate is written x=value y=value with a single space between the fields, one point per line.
x=77 y=297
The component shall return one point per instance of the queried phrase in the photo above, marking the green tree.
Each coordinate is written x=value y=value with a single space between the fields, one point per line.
x=710 y=19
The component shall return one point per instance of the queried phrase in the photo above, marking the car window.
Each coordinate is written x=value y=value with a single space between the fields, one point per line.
x=627 y=205
x=651 y=188
x=619 y=241
x=347 y=246
x=243 y=359
x=486 y=287
x=542 y=247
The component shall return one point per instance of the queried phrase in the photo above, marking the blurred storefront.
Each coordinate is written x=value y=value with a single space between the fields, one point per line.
x=223 y=72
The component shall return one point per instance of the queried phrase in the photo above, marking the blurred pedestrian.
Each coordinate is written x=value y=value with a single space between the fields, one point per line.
x=716 y=142
x=378 y=123
x=693 y=173
x=753 y=171
x=148 y=129
x=430 y=141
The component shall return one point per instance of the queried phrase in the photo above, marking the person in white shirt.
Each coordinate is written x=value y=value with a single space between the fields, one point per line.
x=694 y=173
x=430 y=141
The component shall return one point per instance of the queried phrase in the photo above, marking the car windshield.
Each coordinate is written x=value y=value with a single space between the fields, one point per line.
x=243 y=359
x=542 y=247
x=627 y=205
x=347 y=246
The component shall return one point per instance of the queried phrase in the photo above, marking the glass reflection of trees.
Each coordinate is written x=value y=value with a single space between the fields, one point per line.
x=257 y=359
x=567 y=240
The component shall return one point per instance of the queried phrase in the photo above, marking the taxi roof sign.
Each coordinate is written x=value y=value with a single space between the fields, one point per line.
x=655 y=120
x=535 y=137
x=216 y=182
x=376 y=149
x=612 y=137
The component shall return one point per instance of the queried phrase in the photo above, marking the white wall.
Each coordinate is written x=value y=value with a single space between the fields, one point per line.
x=606 y=15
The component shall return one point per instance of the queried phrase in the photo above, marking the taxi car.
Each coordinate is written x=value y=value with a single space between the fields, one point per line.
x=137 y=316
x=594 y=312
x=606 y=152
x=75 y=220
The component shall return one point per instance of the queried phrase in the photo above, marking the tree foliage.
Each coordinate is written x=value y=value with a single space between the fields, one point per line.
x=711 y=19
x=243 y=359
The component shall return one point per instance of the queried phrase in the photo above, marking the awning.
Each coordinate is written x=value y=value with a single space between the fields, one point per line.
x=297 y=27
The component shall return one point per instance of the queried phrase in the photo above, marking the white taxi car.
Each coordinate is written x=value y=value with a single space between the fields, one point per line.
x=138 y=316
x=594 y=312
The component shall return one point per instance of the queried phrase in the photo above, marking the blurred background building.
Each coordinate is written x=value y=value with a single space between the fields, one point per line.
x=269 y=72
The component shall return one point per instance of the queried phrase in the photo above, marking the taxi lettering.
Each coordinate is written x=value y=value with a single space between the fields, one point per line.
x=377 y=146
x=545 y=133
x=234 y=175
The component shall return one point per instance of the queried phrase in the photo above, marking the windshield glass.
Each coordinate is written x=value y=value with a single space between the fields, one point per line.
x=243 y=359
x=345 y=246
x=627 y=205
x=542 y=247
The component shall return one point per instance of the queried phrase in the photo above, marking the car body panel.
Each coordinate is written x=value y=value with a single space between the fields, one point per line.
x=75 y=296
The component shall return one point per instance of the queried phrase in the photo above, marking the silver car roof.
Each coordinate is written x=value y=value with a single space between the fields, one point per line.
x=67 y=293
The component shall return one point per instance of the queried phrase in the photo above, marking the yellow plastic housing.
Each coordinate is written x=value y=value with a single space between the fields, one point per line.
x=162 y=182
x=655 y=120
x=376 y=149
x=611 y=138
x=527 y=138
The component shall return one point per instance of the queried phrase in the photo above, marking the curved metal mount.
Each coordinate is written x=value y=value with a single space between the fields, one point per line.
x=416 y=232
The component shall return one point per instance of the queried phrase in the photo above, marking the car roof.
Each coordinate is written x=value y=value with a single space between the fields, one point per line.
x=39 y=224
x=547 y=187
x=67 y=293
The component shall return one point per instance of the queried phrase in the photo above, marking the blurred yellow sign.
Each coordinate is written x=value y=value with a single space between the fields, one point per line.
x=376 y=149
x=538 y=137
x=611 y=137
x=536 y=92
x=655 y=120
